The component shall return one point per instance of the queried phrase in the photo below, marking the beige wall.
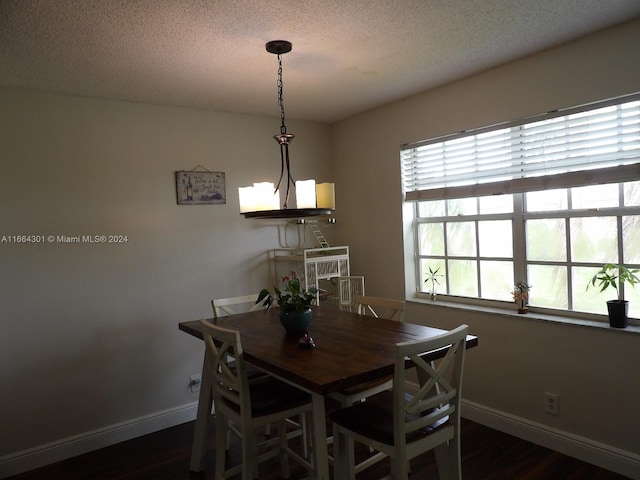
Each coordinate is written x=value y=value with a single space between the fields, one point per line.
x=90 y=331
x=518 y=359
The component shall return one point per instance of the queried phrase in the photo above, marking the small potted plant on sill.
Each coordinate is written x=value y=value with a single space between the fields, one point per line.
x=294 y=302
x=614 y=275
x=521 y=296
x=432 y=277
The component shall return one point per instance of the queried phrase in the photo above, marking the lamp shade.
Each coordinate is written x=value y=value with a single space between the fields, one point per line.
x=259 y=197
x=247 y=199
x=265 y=197
x=306 y=194
x=326 y=195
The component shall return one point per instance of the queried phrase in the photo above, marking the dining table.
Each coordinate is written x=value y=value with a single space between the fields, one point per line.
x=350 y=349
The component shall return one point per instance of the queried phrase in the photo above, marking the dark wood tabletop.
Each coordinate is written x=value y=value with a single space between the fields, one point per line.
x=350 y=348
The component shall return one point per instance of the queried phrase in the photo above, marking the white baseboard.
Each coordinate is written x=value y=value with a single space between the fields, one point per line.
x=42 y=455
x=613 y=459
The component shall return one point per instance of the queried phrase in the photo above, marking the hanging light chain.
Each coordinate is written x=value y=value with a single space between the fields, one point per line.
x=283 y=128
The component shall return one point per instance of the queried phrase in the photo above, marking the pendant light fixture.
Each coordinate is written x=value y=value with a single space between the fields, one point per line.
x=262 y=200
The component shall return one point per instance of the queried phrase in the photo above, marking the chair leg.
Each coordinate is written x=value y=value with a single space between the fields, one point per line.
x=221 y=437
x=448 y=459
x=400 y=468
x=282 y=445
x=307 y=437
x=249 y=456
x=339 y=467
x=305 y=420
x=343 y=456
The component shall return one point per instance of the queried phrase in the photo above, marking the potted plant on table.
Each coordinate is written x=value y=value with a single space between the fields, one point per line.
x=294 y=302
x=614 y=275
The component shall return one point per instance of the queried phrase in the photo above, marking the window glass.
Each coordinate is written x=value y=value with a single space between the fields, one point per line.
x=546 y=200
x=462 y=278
x=546 y=240
x=495 y=280
x=594 y=239
x=496 y=204
x=586 y=297
x=495 y=238
x=631 y=238
x=461 y=239
x=548 y=286
x=462 y=206
x=439 y=283
x=632 y=194
x=431 y=238
x=633 y=295
x=595 y=196
x=433 y=208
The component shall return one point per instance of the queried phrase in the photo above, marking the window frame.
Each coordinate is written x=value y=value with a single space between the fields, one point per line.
x=412 y=222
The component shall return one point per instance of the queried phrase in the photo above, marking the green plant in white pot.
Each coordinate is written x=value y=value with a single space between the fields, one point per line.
x=614 y=275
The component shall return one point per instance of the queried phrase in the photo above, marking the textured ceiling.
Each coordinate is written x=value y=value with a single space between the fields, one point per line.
x=348 y=55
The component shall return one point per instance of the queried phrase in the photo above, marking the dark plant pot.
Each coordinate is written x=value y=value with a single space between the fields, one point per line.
x=295 y=322
x=618 y=313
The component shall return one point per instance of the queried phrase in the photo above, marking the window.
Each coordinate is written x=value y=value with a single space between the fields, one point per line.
x=545 y=200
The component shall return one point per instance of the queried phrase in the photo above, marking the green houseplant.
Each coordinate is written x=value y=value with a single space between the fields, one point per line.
x=614 y=275
x=294 y=302
x=432 y=277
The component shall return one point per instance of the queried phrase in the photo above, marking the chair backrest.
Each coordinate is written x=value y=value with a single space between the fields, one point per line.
x=440 y=380
x=230 y=306
x=379 y=307
x=348 y=288
x=225 y=360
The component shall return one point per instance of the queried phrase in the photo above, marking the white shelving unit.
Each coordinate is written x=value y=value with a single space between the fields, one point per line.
x=316 y=263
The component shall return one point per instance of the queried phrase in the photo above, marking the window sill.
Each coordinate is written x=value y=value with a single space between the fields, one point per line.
x=632 y=329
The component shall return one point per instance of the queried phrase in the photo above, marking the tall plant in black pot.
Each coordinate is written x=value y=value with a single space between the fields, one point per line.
x=614 y=275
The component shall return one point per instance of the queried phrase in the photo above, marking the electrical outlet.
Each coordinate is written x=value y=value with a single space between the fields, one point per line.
x=553 y=406
x=194 y=382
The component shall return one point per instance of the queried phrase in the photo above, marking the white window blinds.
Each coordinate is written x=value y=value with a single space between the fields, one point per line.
x=582 y=146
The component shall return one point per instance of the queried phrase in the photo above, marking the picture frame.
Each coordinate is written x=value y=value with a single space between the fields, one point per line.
x=195 y=187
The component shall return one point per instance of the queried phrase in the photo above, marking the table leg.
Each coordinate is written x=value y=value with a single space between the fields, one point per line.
x=201 y=433
x=319 y=441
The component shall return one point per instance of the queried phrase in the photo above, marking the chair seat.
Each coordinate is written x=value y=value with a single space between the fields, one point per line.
x=357 y=418
x=363 y=387
x=270 y=395
x=252 y=372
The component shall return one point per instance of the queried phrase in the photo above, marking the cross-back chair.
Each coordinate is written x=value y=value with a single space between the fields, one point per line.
x=246 y=407
x=376 y=307
x=348 y=288
x=380 y=307
x=402 y=425
x=241 y=304
x=233 y=305
x=230 y=306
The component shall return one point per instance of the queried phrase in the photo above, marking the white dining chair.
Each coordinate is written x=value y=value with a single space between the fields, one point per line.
x=245 y=407
x=376 y=307
x=223 y=307
x=232 y=305
x=380 y=307
x=348 y=288
x=403 y=425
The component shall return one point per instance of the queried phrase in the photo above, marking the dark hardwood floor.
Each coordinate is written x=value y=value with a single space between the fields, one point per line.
x=486 y=455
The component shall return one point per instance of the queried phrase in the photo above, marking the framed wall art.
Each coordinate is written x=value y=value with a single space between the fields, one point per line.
x=195 y=187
